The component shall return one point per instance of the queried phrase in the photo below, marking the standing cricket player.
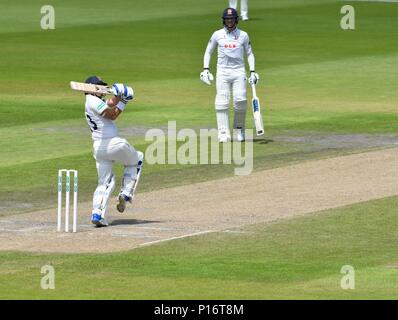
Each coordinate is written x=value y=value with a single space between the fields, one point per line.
x=232 y=43
x=244 y=8
x=108 y=148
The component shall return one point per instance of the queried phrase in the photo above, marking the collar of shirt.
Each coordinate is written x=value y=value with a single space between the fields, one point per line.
x=231 y=33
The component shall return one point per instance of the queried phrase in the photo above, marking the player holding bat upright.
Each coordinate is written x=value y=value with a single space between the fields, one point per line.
x=231 y=43
x=109 y=147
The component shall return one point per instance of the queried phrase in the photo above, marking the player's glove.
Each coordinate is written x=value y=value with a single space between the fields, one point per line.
x=206 y=77
x=118 y=89
x=127 y=95
x=254 y=78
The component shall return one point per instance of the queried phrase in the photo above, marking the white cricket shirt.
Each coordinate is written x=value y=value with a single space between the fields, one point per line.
x=101 y=128
x=231 y=47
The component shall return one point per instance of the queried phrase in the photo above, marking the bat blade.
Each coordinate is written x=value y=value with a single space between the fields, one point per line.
x=90 y=88
x=258 y=120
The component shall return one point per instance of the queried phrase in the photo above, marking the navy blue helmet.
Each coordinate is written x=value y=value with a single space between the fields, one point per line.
x=96 y=80
x=230 y=13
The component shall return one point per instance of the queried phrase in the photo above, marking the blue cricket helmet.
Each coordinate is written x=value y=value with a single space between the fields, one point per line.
x=230 y=13
x=96 y=80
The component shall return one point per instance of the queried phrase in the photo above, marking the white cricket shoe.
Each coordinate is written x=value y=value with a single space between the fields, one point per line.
x=245 y=18
x=224 y=137
x=239 y=135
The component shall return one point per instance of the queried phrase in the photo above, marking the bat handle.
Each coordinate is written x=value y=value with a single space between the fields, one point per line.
x=254 y=90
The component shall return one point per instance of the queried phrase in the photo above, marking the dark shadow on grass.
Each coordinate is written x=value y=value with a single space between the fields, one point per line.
x=119 y=222
x=262 y=140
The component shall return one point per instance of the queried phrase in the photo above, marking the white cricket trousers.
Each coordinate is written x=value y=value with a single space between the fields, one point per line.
x=244 y=8
x=231 y=81
x=106 y=152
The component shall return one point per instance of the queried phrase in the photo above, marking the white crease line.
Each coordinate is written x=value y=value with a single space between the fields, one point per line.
x=163 y=228
x=132 y=234
x=175 y=238
x=24 y=229
x=236 y=231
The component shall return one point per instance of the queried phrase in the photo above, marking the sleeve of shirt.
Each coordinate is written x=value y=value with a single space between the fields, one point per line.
x=249 y=53
x=97 y=105
x=209 y=51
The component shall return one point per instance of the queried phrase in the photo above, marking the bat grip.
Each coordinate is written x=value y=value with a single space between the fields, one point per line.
x=254 y=91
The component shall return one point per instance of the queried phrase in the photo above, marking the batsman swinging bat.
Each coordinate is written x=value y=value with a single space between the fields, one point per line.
x=258 y=120
x=90 y=88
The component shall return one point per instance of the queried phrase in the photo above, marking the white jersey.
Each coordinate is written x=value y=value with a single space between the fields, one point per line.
x=101 y=128
x=231 y=48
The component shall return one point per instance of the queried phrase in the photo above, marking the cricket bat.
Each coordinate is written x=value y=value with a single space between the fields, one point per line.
x=90 y=88
x=258 y=120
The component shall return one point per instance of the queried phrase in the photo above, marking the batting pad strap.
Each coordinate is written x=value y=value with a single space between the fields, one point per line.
x=121 y=105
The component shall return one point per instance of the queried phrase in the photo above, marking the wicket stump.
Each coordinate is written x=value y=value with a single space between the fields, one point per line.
x=67 y=198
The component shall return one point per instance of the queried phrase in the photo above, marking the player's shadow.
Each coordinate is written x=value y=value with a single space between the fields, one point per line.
x=262 y=140
x=119 y=222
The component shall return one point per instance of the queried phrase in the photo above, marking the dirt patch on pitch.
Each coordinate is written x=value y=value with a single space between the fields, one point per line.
x=211 y=206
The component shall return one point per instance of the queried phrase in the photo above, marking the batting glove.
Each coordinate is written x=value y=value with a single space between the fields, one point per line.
x=118 y=89
x=254 y=78
x=128 y=94
x=206 y=77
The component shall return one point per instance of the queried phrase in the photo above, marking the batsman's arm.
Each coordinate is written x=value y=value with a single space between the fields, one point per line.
x=250 y=56
x=112 y=112
x=209 y=51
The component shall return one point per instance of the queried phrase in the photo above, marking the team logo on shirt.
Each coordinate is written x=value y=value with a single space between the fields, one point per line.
x=101 y=106
x=230 y=46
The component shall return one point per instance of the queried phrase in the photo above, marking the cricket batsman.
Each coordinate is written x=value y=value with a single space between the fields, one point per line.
x=109 y=148
x=231 y=43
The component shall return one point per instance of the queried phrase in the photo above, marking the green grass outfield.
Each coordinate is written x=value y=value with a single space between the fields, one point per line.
x=315 y=79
